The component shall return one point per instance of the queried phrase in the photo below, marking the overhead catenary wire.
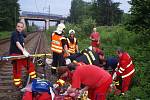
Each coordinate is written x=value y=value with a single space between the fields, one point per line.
x=36 y=6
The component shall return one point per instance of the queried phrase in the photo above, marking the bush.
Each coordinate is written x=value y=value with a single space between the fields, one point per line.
x=87 y=26
x=5 y=34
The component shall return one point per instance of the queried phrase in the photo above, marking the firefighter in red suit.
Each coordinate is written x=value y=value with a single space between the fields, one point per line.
x=96 y=80
x=95 y=38
x=17 y=48
x=125 y=69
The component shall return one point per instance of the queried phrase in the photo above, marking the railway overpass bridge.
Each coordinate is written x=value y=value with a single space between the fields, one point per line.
x=37 y=16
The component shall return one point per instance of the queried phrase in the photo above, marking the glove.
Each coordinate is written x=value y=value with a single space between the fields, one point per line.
x=60 y=82
x=55 y=85
x=114 y=75
x=25 y=53
x=68 y=61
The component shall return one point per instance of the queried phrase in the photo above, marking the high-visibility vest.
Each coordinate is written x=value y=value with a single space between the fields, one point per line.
x=72 y=46
x=56 y=44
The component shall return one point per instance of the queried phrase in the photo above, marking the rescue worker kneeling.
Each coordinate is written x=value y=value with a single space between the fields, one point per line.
x=125 y=69
x=88 y=56
x=96 y=80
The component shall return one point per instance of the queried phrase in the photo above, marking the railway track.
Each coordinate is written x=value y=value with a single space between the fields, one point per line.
x=35 y=43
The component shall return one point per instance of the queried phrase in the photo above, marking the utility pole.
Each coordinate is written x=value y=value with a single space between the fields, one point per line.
x=49 y=15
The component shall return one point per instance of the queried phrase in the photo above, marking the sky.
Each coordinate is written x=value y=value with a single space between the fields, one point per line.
x=60 y=7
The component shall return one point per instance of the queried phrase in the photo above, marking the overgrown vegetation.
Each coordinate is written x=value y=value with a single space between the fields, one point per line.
x=4 y=34
x=105 y=12
x=9 y=14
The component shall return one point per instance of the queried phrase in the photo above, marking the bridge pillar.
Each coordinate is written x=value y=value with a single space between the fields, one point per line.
x=46 y=24
x=23 y=21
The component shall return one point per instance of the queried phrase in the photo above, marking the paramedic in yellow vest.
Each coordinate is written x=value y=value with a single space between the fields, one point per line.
x=72 y=43
x=58 y=46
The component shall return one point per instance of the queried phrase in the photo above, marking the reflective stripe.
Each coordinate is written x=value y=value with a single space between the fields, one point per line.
x=116 y=69
x=72 y=46
x=58 y=47
x=75 y=40
x=74 y=61
x=92 y=56
x=62 y=38
x=71 y=50
x=17 y=83
x=128 y=74
x=68 y=40
x=117 y=83
x=118 y=64
x=56 y=44
x=17 y=79
x=129 y=64
x=122 y=69
x=59 y=51
x=33 y=76
x=32 y=73
x=88 y=58
x=53 y=67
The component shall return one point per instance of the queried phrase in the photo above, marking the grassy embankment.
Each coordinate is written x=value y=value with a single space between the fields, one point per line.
x=111 y=38
x=4 y=34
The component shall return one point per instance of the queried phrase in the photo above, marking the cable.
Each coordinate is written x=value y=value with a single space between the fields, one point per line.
x=36 y=6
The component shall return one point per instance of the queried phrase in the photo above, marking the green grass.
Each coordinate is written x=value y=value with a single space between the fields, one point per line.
x=5 y=34
x=111 y=38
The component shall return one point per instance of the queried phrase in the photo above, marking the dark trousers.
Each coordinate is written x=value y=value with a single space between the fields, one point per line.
x=58 y=60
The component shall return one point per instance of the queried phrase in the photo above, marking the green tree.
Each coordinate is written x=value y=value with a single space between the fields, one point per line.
x=116 y=13
x=140 y=19
x=76 y=10
x=106 y=12
x=79 y=10
x=9 y=14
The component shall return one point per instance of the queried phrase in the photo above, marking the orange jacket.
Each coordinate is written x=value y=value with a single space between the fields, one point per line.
x=56 y=44
x=125 y=66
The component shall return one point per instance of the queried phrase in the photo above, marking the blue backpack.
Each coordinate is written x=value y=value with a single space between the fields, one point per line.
x=40 y=85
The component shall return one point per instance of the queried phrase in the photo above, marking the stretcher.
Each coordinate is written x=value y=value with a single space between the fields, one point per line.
x=22 y=56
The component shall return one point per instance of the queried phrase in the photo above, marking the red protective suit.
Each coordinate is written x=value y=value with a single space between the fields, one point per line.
x=125 y=69
x=97 y=79
x=95 y=39
x=17 y=67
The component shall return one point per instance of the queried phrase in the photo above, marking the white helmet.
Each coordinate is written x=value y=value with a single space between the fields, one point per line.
x=71 y=31
x=94 y=29
x=60 y=27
